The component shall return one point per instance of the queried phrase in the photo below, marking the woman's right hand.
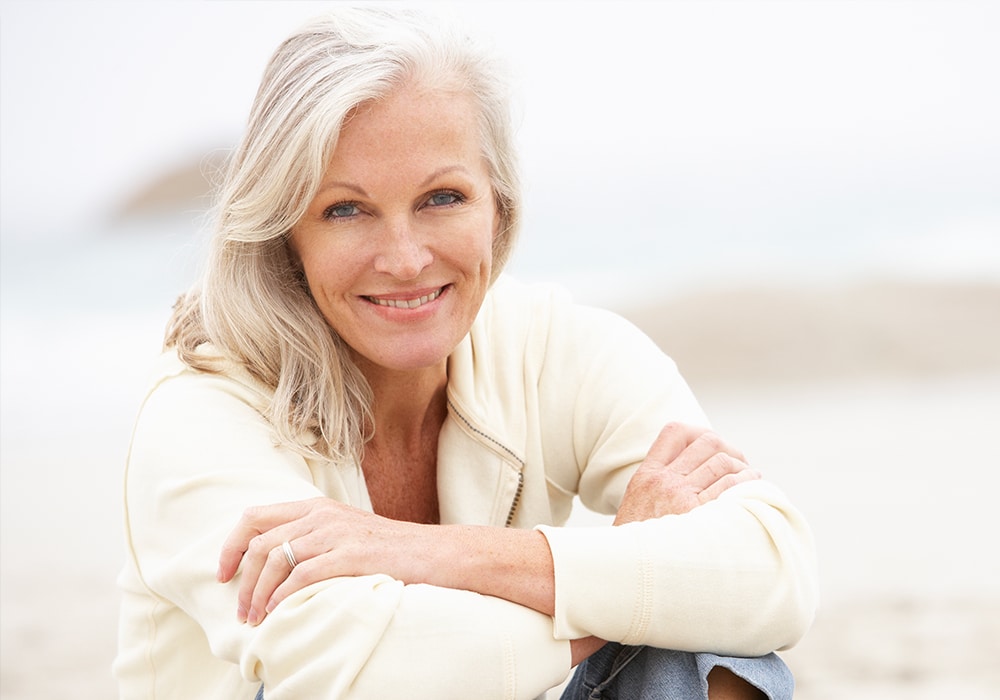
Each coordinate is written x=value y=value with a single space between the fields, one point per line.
x=686 y=467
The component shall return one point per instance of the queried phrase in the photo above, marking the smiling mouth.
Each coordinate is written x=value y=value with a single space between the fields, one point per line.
x=407 y=303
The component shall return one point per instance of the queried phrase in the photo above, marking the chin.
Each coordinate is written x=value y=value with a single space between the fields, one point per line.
x=408 y=357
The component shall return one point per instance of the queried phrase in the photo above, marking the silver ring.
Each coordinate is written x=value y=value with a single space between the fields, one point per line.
x=286 y=548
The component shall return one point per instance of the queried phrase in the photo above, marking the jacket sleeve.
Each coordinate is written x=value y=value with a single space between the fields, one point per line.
x=735 y=576
x=201 y=454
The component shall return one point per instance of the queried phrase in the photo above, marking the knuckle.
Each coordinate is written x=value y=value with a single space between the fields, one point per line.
x=716 y=471
x=716 y=466
x=725 y=463
x=728 y=481
x=319 y=510
x=674 y=433
x=671 y=428
x=252 y=513
x=258 y=547
x=716 y=489
x=276 y=556
x=737 y=477
x=712 y=441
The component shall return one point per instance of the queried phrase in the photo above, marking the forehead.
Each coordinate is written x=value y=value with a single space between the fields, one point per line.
x=412 y=117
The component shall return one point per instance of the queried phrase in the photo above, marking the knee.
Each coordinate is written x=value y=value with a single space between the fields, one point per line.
x=723 y=684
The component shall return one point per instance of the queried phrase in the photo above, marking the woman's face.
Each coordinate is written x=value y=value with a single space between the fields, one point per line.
x=396 y=246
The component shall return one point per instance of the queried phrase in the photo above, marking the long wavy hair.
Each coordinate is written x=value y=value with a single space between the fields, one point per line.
x=251 y=305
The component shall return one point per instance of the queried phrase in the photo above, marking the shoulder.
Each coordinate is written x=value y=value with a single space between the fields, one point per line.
x=193 y=422
x=513 y=307
x=535 y=311
x=543 y=320
x=176 y=387
x=527 y=335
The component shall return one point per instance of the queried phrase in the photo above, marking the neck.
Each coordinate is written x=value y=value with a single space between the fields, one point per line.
x=400 y=461
x=408 y=406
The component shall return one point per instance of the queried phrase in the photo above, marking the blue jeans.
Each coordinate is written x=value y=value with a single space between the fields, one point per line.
x=619 y=672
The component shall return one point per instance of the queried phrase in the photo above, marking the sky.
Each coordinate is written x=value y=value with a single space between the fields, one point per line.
x=758 y=128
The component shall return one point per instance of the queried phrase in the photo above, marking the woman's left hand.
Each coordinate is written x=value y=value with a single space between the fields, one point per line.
x=328 y=539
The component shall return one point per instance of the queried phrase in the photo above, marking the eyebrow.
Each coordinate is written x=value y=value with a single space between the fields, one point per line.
x=361 y=191
x=443 y=171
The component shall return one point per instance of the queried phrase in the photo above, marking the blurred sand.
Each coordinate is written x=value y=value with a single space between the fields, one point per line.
x=875 y=406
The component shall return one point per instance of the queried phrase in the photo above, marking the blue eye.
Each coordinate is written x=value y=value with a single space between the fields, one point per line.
x=343 y=210
x=444 y=199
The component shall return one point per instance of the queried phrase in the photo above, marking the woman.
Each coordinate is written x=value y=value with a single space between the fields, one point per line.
x=397 y=434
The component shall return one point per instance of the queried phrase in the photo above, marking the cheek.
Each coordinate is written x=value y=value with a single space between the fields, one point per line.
x=325 y=265
x=327 y=283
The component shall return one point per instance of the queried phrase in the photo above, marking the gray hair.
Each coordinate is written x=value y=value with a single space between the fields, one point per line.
x=252 y=304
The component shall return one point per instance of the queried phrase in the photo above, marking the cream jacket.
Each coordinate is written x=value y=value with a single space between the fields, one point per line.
x=547 y=400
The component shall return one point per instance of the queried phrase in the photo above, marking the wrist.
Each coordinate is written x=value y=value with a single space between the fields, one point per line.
x=512 y=564
x=582 y=649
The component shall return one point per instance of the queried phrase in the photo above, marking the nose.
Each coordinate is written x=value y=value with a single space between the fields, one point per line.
x=402 y=252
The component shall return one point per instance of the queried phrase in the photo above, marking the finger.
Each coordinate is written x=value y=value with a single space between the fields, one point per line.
x=259 y=552
x=255 y=521
x=701 y=450
x=305 y=574
x=672 y=440
x=234 y=548
x=276 y=570
x=727 y=482
x=350 y=550
x=714 y=468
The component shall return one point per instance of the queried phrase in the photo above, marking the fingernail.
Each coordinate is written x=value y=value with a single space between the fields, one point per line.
x=241 y=614
x=252 y=618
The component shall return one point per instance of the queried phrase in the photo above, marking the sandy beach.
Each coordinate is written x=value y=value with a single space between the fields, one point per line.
x=873 y=405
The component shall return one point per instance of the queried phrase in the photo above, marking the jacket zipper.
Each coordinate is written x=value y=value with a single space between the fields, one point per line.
x=520 y=473
x=517 y=499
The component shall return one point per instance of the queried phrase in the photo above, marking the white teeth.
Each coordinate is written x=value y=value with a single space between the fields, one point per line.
x=406 y=303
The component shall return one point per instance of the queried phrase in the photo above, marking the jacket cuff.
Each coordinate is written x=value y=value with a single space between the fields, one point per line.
x=604 y=582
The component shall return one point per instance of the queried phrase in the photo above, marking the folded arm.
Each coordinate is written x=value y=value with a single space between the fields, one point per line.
x=200 y=454
x=686 y=467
